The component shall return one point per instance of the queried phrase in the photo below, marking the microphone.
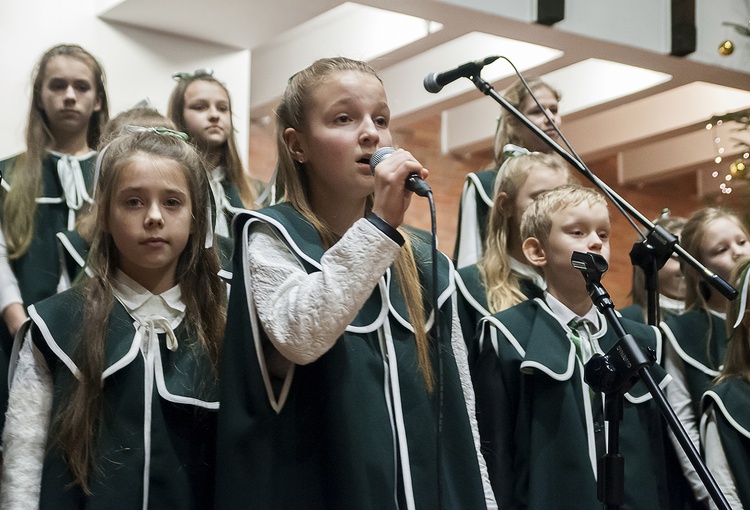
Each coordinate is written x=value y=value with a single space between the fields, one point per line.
x=413 y=181
x=434 y=82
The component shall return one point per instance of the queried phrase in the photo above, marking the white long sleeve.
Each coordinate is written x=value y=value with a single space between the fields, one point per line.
x=304 y=314
x=10 y=292
x=470 y=243
x=26 y=430
x=716 y=461
x=678 y=395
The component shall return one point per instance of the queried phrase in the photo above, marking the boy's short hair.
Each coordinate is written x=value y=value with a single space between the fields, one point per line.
x=537 y=220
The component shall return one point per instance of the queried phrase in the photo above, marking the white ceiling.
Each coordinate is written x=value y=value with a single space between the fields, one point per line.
x=655 y=131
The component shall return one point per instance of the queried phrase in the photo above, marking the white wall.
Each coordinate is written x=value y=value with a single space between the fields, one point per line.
x=138 y=63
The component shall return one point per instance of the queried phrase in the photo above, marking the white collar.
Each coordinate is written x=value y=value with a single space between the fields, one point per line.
x=720 y=315
x=565 y=314
x=527 y=271
x=676 y=306
x=218 y=174
x=82 y=157
x=142 y=304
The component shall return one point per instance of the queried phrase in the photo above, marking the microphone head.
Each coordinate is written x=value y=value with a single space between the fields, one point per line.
x=431 y=85
x=379 y=156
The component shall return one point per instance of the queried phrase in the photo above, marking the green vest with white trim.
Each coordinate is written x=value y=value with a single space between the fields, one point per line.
x=332 y=434
x=541 y=432
x=38 y=270
x=700 y=339
x=731 y=399
x=179 y=466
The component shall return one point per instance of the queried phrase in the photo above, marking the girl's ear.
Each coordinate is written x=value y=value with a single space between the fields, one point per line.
x=504 y=203
x=293 y=143
x=534 y=252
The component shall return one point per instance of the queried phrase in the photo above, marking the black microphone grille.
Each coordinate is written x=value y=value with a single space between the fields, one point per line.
x=379 y=156
x=431 y=84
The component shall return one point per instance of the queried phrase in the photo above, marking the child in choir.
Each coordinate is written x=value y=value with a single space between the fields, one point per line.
x=74 y=244
x=476 y=197
x=115 y=394
x=200 y=106
x=45 y=187
x=697 y=339
x=502 y=278
x=725 y=426
x=671 y=280
x=341 y=386
x=541 y=426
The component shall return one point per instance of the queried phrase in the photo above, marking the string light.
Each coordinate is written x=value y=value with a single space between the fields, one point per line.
x=739 y=168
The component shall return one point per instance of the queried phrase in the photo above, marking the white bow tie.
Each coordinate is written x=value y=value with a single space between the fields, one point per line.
x=73 y=185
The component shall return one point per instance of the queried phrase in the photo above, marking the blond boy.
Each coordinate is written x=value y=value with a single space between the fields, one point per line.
x=542 y=427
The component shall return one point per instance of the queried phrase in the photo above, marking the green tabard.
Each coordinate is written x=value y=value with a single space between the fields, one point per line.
x=180 y=462
x=542 y=431
x=329 y=439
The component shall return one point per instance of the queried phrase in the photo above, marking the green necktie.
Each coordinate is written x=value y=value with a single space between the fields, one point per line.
x=579 y=335
x=581 y=338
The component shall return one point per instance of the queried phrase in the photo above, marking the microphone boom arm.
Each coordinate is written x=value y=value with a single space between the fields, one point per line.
x=712 y=279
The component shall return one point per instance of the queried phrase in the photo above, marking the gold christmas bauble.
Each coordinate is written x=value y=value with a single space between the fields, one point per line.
x=738 y=169
x=726 y=48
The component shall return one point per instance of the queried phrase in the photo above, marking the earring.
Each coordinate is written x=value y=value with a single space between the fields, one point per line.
x=301 y=159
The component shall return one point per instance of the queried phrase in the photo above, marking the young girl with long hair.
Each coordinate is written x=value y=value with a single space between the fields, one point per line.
x=503 y=278
x=671 y=281
x=476 y=196
x=45 y=187
x=201 y=107
x=114 y=399
x=725 y=425
x=697 y=339
x=74 y=244
x=335 y=391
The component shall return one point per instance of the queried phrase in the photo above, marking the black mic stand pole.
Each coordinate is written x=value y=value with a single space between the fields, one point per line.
x=650 y=255
x=628 y=210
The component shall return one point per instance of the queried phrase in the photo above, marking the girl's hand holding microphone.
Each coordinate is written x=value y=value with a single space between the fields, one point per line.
x=397 y=174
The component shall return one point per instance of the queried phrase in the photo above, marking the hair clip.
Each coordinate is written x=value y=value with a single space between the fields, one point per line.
x=160 y=130
x=513 y=151
x=510 y=151
x=665 y=214
x=205 y=71
x=143 y=103
x=133 y=129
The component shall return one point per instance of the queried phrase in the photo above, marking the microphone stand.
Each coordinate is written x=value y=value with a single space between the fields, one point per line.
x=613 y=374
x=625 y=208
x=629 y=350
x=650 y=255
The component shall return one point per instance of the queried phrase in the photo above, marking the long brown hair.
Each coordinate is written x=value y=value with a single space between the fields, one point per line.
x=230 y=156
x=503 y=288
x=292 y=183
x=507 y=126
x=78 y=420
x=737 y=361
x=19 y=207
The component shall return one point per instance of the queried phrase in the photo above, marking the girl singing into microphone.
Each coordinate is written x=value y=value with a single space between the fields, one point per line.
x=335 y=391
